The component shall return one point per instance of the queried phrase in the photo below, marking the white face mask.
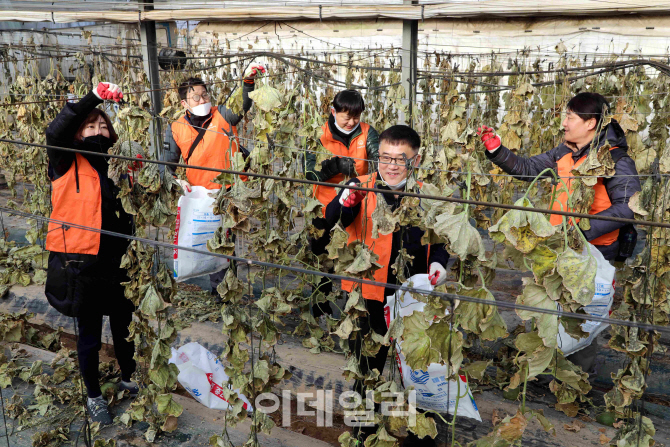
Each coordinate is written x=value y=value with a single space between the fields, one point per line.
x=346 y=132
x=397 y=187
x=201 y=109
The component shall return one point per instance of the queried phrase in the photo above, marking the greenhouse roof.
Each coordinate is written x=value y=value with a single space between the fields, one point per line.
x=165 y=10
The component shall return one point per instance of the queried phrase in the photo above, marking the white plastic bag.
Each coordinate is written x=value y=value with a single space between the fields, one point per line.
x=600 y=306
x=433 y=391
x=196 y=224
x=201 y=373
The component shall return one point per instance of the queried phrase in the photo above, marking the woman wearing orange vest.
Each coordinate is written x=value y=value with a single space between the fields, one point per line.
x=206 y=136
x=583 y=117
x=354 y=146
x=398 y=154
x=84 y=275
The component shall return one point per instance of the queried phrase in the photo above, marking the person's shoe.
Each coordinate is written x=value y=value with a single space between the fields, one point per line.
x=132 y=387
x=99 y=412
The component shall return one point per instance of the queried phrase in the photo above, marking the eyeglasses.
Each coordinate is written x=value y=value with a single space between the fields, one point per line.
x=400 y=161
x=197 y=98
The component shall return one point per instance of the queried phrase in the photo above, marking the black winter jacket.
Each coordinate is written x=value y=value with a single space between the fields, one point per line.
x=80 y=284
x=620 y=188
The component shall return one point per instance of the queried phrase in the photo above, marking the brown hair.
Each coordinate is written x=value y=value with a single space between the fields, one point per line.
x=93 y=117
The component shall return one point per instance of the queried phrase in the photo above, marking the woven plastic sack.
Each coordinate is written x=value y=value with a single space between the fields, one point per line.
x=201 y=373
x=600 y=306
x=196 y=224
x=433 y=390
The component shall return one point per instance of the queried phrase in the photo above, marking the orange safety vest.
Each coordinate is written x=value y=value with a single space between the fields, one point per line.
x=601 y=200
x=361 y=230
x=357 y=150
x=78 y=204
x=213 y=151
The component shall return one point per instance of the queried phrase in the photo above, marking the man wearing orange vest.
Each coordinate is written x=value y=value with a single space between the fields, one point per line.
x=354 y=146
x=398 y=155
x=583 y=118
x=206 y=136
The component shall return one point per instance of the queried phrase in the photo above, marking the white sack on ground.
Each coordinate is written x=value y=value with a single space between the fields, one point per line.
x=201 y=373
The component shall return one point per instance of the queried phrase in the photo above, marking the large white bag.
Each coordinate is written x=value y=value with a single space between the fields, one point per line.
x=600 y=306
x=196 y=224
x=201 y=373
x=433 y=391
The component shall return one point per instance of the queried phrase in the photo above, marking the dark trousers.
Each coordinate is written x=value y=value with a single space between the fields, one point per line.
x=89 y=343
x=375 y=321
x=325 y=286
x=216 y=278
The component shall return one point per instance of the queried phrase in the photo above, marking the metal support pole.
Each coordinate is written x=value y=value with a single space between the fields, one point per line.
x=188 y=38
x=410 y=39
x=150 y=59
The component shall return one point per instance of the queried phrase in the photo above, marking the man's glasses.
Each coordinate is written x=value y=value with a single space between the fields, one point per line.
x=197 y=98
x=400 y=161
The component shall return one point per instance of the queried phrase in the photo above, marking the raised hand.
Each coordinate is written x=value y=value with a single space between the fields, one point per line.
x=489 y=138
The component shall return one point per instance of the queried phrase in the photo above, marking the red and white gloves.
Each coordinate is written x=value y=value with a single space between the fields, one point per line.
x=253 y=70
x=437 y=274
x=107 y=90
x=351 y=198
x=135 y=166
x=489 y=138
x=186 y=186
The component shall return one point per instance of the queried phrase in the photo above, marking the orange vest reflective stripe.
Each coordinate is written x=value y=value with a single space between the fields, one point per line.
x=213 y=151
x=361 y=230
x=82 y=208
x=601 y=200
x=357 y=150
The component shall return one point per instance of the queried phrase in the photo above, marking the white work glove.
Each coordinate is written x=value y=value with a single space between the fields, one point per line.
x=186 y=186
x=437 y=274
x=252 y=70
x=107 y=90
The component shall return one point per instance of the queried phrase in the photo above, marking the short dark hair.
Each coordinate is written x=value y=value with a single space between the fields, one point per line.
x=349 y=101
x=589 y=105
x=399 y=134
x=187 y=85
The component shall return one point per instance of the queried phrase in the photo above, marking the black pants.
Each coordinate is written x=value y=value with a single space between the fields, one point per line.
x=325 y=286
x=216 y=278
x=89 y=343
x=375 y=321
